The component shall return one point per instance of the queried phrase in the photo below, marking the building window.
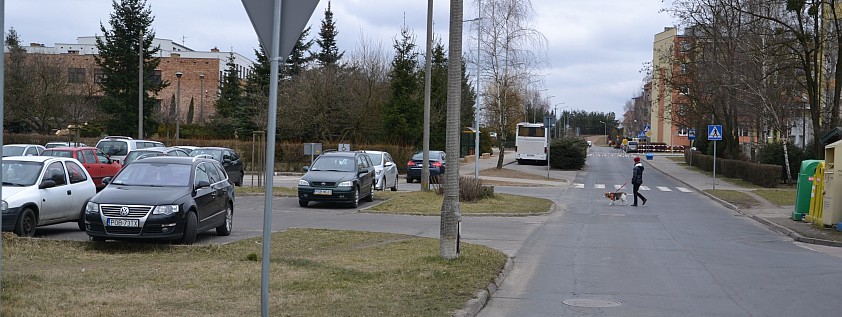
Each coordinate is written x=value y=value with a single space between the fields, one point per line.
x=682 y=69
x=684 y=46
x=684 y=90
x=682 y=131
x=99 y=76
x=76 y=75
x=156 y=76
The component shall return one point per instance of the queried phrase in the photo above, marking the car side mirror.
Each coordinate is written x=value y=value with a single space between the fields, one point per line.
x=389 y=164
x=49 y=183
x=202 y=184
x=106 y=180
x=306 y=168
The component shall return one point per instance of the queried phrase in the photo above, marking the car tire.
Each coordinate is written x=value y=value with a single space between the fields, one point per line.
x=303 y=203
x=25 y=226
x=97 y=239
x=81 y=221
x=408 y=180
x=395 y=188
x=242 y=176
x=356 y=200
x=190 y=225
x=225 y=228
x=370 y=196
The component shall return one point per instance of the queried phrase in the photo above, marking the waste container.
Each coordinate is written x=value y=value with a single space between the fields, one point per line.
x=649 y=156
x=804 y=189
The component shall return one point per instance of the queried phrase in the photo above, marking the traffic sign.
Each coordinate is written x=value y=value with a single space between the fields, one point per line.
x=691 y=135
x=715 y=132
x=646 y=128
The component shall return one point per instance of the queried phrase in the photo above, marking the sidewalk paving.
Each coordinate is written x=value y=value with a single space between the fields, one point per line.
x=777 y=218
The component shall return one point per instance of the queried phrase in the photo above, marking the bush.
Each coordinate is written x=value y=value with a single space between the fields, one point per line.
x=773 y=153
x=470 y=189
x=568 y=153
x=766 y=175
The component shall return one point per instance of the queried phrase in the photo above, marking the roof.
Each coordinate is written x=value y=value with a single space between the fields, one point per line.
x=172 y=160
x=39 y=159
x=71 y=148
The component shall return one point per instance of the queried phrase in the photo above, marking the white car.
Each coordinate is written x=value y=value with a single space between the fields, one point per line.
x=22 y=149
x=117 y=147
x=43 y=190
x=385 y=170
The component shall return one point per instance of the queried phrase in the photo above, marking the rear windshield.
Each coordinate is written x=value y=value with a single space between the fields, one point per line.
x=216 y=154
x=59 y=153
x=113 y=147
x=433 y=156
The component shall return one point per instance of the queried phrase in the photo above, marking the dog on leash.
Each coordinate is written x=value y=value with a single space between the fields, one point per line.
x=616 y=196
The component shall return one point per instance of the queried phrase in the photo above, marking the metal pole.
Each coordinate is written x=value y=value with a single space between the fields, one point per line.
x=270 y=159
x=428 y=71
x=476 y=109
x=714 y=164
x=140 y=85
x=2 y=126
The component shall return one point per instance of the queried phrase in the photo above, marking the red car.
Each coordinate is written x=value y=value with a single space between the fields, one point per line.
x=98 y=164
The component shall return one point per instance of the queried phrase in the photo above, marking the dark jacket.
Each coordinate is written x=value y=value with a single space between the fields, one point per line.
x=637 y=174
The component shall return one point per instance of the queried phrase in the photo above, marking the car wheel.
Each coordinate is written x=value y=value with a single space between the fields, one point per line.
x=225 y=228
x=189 y=229
x=97 y=239
x=370 y=196
x=356 y=202
x=408 y=180
x=303 y=203
x=395 y=188
x=81 y=221
x=25 y=227
x=240 y=183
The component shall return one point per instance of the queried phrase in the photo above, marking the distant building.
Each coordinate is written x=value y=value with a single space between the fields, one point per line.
x=201 y=70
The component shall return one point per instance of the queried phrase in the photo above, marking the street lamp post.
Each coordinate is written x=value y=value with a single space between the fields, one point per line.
x=178 y=106
x=202 y=98
x=605 y=130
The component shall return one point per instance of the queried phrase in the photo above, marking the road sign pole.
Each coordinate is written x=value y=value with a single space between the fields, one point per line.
x=714 y=165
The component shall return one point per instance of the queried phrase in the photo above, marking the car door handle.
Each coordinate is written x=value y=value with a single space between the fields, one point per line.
x=68 y=192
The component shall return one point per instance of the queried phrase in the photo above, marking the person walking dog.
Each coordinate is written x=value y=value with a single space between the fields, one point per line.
x=637 y=179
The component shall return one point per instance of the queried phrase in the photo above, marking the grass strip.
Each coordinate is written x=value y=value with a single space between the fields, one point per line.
x=429 y=204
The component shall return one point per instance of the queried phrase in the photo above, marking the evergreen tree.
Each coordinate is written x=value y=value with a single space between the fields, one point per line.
x=438 y=97
x=297 y=60
x=118 y=60
x=230 y=102
x=16 y=85
x=404 y=118
x=329 y=54
x=190 y=111
x=469 y=98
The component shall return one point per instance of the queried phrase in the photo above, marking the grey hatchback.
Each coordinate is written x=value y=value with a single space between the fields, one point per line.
x=338 y=177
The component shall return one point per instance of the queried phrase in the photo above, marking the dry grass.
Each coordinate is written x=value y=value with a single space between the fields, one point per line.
x=737 y=198
x=429 y=204
x=276 y=191
x=510 y=173
x=779 y=197
x=312 y=273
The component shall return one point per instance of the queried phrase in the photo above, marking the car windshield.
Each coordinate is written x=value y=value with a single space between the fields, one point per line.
x=375 y=158
x=113 y=147
x=13 y=150
x=59 y=153
x=216 y=154
x=334 y=163
x=134 y=155
x=154 y=174
x=21 y=173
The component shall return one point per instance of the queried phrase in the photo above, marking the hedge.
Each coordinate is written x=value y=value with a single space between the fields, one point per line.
x=765 y=175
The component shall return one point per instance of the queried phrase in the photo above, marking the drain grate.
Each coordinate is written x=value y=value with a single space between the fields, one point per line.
x=591 y=302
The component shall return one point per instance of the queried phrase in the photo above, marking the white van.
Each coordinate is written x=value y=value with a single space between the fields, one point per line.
x=631 y=146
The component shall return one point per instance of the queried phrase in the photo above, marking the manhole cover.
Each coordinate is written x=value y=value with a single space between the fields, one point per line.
x=591 y=302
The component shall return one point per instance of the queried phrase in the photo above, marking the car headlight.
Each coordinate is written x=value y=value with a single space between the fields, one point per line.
x=165 y=210
x=302 y=182
x=378 y=172
x=4 y=207
x=346 y=184
x=92 y=208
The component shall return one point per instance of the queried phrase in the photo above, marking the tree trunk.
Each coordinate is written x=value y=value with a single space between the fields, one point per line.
x=451 y=216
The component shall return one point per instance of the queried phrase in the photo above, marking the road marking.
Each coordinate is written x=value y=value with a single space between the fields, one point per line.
x=577 y=185
x=664 y=189
x=617 y=186
x=599 y=186
x=644 y=187
x=684 y=190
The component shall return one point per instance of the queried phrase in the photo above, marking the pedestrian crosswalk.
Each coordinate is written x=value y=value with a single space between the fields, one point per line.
x=642 y=187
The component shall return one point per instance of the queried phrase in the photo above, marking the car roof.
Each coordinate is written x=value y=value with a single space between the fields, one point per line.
x=40 y=159
x=22 y=145
x=71 y=148
x=373 y=152
x=173 y=160
x=339 y=153
x=211 y=148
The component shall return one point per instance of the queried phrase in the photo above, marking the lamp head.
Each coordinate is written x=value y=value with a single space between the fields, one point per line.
x=178 y=74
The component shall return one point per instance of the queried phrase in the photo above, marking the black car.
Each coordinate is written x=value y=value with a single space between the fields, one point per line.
x=163 y=197
x=415 y=165
x=229 y=158
x=338 y=177
x=154 y=151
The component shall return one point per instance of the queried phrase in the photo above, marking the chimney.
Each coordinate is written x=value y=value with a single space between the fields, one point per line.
x=215 y=50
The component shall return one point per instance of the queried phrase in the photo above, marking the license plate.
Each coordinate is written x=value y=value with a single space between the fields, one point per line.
x=123 y=222
x=323 y=192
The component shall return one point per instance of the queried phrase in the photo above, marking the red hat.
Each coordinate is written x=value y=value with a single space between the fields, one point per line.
x=637 y=159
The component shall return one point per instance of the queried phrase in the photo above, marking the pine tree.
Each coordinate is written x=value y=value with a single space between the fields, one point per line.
x=297 y=61
x=190 y=111
x=230 y=101
x=329 y=54
x=404 y=116
x=438 y=97
x=118 y=60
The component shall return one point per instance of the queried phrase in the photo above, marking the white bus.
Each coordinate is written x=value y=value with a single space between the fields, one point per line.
x=531 y=143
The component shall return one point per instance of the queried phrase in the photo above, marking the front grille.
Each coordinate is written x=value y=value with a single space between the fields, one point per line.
x=134 y=211
x=123 y=230
x=323 y=184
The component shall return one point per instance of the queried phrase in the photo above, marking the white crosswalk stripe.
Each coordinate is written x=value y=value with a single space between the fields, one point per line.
x=664 y=189
x=600 y=186
x=617 y=186
x=644 y=187
x=577 y=185
x=684 y=190
x=620 y=186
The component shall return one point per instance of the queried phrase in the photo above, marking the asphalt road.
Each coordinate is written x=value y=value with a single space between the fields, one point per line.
x=679 y=255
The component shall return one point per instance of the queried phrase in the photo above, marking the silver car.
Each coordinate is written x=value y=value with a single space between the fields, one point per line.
x=385 y=170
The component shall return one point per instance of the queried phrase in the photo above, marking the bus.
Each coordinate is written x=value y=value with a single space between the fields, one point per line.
x=531 y=143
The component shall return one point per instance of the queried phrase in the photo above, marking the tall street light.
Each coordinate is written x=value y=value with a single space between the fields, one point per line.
x=178 y=105
x=202 y=98
x=605 y=127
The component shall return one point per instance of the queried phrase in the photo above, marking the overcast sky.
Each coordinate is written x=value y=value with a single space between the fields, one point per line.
x=595 y=53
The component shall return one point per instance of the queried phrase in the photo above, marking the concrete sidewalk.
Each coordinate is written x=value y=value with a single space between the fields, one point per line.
x=773 y=216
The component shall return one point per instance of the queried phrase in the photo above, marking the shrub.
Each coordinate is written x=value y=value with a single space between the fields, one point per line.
x=470 y=189
x=773 y=153
x=568 y=153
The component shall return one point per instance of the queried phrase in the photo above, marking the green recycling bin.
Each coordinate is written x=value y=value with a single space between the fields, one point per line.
x=804 y=190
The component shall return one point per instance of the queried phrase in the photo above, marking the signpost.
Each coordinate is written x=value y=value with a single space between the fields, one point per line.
x=691 y=135
x=714 y=134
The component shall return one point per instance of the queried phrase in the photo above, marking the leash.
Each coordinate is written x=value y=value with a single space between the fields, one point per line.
x=621 y=187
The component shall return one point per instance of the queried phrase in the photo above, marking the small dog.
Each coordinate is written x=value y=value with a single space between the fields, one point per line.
x=615 y=196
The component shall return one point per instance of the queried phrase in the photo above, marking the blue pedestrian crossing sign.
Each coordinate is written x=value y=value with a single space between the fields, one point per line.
x=715 y=132
x=646 y=128
x=691 y=135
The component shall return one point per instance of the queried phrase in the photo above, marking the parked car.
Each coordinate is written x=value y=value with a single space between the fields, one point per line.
x=415 y=165
x=51 y=145
x=117 y=147
x=154 y=151
x=337 y=177
x=163 y=197
x=186 y=148
x=93 y=159
x=631 y=146
x=385 y=170
x=22 y=149
x=43 y=190
x=229 y=159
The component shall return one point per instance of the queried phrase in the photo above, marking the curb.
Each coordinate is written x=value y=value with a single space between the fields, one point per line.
x=473 y=307
x=774 y=226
